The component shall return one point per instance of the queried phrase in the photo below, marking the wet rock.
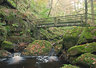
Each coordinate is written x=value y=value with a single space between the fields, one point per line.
x=80 y=49
x=4 y=53
x=38 y=47
x=69 y=66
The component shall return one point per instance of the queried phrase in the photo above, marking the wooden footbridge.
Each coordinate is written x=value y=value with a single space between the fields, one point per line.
x=67 y=20
x=61 y=21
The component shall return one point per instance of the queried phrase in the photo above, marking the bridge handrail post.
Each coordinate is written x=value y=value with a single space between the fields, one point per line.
x=81 y=19
x=55 y=21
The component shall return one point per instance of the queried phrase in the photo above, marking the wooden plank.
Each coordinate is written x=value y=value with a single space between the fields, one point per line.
x=60 y=25
x=69 y=22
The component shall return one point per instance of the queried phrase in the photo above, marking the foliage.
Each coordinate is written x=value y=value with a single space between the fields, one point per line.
x=3 y=34
x=12 y=2
x=33 y=9
x=18 y=39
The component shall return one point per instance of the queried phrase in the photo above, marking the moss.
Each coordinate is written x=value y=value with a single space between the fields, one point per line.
x=18 y=39
x=16 y=26
x=12 y=2
x=88 y=34
x=71 y=37
x=3 y=33
x=69 y=66
x=4 y=53
x=79 y=49
x=38 y=47
x=87 y=59
x=78 y=35
x=7 y=45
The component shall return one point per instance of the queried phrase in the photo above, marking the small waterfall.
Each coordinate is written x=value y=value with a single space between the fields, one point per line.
x=52 y=52
x=50 y=58
x=16 y=58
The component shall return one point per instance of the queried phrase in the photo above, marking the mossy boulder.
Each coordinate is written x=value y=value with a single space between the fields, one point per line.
x=4 y=53
x=69 y=66
x=78 y=35
x=80 y=49
x=88 y=35
x=71 y=37
x=86 y=59
x=7 y=45
x=3 y=34
x=38 y=47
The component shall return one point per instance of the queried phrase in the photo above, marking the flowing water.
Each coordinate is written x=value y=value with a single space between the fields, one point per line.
x=17 y=61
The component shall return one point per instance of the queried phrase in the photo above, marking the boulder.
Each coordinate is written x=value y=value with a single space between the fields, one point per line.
x=79 y=35
x=86 y=59
x=71 y=37
x=80 y=49
x=88 y=35
x=38 y=47
x=4 y=53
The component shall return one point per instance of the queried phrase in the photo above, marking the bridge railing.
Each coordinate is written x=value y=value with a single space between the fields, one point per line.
x=69 y=20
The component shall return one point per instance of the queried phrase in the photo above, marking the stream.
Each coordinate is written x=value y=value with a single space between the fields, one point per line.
x=16 y=60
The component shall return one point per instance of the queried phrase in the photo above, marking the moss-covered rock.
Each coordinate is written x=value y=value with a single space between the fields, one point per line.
x=71 y=37
x=79 y=49
x=88 y=35
x=78 y=35
x=69 y=66
x=54 y=35
x=7 y=45
x=86 y=59
x=3 y=34
x=38 y=47
x=4 y=53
